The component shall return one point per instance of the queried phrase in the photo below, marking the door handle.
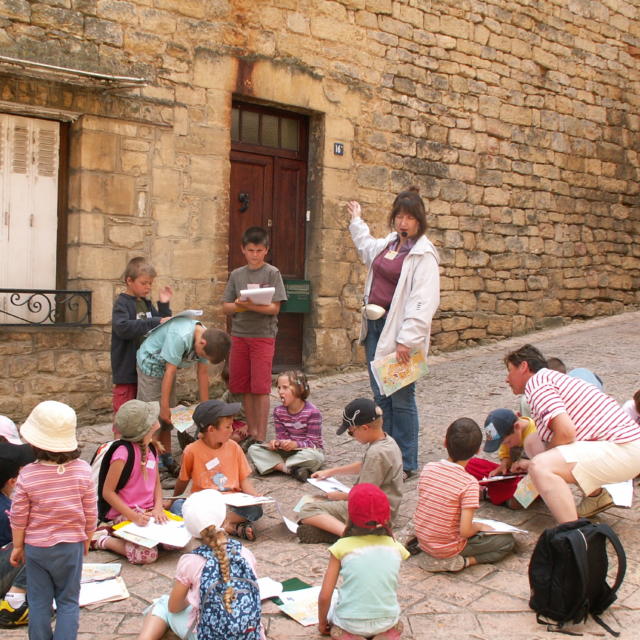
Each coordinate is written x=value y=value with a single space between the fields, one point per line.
x=244 y=201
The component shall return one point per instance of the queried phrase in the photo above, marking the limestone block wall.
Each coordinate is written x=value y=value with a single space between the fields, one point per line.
x=517 y=119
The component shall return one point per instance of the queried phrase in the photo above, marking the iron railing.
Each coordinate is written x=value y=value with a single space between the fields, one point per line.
x=54 y=307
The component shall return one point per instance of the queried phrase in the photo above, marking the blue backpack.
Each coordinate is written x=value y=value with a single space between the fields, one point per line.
x=215 y=622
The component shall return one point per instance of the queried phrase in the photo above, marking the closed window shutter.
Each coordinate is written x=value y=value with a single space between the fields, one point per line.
x=29 y=152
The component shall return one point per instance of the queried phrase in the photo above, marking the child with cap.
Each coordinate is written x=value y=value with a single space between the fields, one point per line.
x=509 y=435
x=136 y=496
x=367 y=558
x=204 y=575
x=214 y=461
x=8 y=431
x=447 y=499
x=14 y=609
x=53 y=516
x=381 y=465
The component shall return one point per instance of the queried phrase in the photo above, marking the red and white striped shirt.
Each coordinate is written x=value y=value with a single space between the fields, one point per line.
x=55 y=503
x=444 y=489
x=595 y=415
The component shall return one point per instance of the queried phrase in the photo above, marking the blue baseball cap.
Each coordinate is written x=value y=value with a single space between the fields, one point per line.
x=499 y=423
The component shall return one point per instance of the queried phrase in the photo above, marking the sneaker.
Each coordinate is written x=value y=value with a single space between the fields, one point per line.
x=591 y=505
x=412 y=546
x=308 y=534
x=429 y=563
x=247 y=442
x=10 y=617
x=300 y=473
x=184 y=439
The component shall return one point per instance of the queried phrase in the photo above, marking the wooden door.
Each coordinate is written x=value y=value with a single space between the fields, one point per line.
x=268 y=189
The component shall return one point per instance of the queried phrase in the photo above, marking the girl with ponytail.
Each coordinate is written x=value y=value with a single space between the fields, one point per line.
x=214 y=595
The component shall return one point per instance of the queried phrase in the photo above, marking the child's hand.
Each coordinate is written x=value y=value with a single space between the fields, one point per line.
x=520 y=466
x=17 y=556
x=274 y=444
x=499 y=470
x=159 y=515
x=337 y=495
x=324 y=628
x=287 y=445
x=141 y=519
x=322 y=475
x=164 y=295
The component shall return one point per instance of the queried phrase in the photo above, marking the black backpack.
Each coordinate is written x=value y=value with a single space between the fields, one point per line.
x=568 y=574
x=102 y=458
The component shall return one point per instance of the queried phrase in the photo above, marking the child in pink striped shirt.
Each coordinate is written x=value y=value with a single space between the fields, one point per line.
x=53 y=516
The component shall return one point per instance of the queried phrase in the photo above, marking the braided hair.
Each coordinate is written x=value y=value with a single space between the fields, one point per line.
x=144 y=454
x=217 y=540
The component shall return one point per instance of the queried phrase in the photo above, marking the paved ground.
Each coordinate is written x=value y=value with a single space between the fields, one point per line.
x=483 y=602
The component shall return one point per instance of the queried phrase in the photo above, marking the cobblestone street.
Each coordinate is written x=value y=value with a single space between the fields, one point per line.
x=483 y=602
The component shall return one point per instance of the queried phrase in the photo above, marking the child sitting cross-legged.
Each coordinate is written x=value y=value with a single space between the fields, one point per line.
x=447 y=499
x=215 y=595
x=381 y=464
x=367 y=558
x=138 y=495
x=214 y=461
x=297 y=447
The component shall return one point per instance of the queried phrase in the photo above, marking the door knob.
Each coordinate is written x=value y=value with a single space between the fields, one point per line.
x=244 y=201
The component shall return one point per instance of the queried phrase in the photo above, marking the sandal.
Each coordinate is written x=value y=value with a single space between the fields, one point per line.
x=245 y=531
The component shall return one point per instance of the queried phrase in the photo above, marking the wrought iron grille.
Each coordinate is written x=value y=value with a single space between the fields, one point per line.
x=55 y=307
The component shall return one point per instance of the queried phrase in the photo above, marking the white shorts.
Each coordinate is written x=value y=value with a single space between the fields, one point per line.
x=601 y=462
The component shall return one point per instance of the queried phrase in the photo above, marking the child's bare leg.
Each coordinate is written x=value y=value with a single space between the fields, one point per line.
x=153 y=628
x=256 y=406
x=164 y=438
x=117 y=545
x=326 y=522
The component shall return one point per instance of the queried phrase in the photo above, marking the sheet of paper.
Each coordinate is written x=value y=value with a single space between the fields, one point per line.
x=392 y=375
x=499 y=527
x=104 y=591
x=621 y=492
x=329 y=484
x=301 y=605
x=526 y=492
x=182 y=417
x=499 y=478
x=240 y=499
x=269 y=588
x=172 y=533
x=97 y=571
x=263 y=295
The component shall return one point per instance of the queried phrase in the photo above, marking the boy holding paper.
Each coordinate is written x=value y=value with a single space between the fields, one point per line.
x=253 y=330
x=447 y=501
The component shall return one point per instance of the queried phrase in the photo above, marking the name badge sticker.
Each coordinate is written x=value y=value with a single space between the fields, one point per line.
x=212 y=464
x=151 y=464
x=390 y=255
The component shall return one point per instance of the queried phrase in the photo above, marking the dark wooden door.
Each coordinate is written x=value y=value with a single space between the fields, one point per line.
x=268 y=189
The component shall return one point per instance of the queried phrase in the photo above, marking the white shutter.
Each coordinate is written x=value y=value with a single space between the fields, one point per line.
x=29 y=152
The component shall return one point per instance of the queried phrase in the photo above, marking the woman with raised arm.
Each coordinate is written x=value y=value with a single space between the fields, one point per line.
x=401 y=295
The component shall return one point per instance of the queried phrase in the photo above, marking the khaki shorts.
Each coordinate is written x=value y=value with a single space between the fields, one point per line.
x=335 y=508
x=600 y=462
x=150 y=390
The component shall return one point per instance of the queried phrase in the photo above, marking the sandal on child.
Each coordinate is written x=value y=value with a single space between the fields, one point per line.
x=245 y=531
x=99 y=538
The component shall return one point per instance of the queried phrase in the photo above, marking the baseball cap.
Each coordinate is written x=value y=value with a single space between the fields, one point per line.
x=12 y=458
x=51 y=426
x=134 y=419
x=203 y=509
x=358 y=412
x=208 y=412
x=368 y=506
x=499 y=423
x=9 y=430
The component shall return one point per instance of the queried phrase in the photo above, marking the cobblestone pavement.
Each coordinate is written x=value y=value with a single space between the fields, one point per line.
x=486 y=601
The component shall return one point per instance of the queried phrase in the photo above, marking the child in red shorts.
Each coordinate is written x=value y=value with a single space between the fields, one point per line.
x=253 y=330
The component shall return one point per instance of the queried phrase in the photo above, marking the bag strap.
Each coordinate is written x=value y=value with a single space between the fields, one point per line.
x=578 y=544
x=609 y=533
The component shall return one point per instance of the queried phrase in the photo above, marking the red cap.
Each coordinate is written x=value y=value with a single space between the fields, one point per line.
x=368 y=506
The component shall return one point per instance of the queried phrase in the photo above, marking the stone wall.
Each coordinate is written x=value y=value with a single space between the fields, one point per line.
x=517 y=119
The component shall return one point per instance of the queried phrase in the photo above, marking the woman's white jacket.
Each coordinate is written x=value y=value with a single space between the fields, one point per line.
x=417 y=293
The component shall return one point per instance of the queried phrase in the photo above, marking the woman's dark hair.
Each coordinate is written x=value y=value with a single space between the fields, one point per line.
x=410 y=202
x=59 y=457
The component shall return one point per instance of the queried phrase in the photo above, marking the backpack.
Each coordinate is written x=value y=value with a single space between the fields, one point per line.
x=568 y=574
x=100 y=467
x=215 y=622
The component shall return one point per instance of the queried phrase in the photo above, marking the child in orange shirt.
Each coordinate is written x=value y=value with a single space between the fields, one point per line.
x=214 y=461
